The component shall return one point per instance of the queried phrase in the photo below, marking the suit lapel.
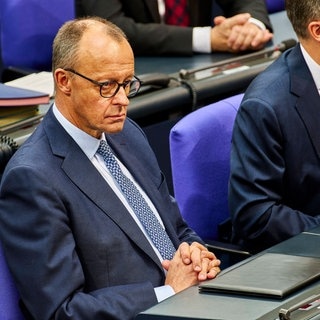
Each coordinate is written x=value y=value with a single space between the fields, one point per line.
x=152 y=6
x=145 y=181
x=309 y=110
x=194 y=12
x=308 y=102
x=78 y=168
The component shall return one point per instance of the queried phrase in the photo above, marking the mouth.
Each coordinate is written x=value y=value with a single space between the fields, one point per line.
x=117 y=116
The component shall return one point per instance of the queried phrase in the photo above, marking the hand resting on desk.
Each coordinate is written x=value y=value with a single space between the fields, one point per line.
x=190 y=265
x=238 y=33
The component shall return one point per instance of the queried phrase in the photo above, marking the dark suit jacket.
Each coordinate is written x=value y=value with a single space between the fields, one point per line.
x=73 y=248
x=275 y=160
x=140 y=20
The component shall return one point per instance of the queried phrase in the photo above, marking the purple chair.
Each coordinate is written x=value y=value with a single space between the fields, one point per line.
x=200 y=145
x=27 y=31
x=275 y=5
x=9 y=297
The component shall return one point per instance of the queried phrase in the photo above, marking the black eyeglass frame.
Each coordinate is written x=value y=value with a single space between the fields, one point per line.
x=101 y=84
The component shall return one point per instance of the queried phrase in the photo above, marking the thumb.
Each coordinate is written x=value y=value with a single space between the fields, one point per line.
x=218 y=20
x=238 y=19
x=166 y=264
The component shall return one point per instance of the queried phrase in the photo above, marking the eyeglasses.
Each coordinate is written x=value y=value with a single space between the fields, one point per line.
x=110 y=88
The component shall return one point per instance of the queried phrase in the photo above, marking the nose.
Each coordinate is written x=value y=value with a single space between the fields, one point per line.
x=121 y=96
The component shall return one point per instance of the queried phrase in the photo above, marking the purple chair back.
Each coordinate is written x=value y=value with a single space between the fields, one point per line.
x=28 y=28
x=9 y=297
x=200 y=146
x=275 y=5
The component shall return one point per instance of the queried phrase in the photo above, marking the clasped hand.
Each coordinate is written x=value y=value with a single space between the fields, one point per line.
x=238 y=34
x=190 y=265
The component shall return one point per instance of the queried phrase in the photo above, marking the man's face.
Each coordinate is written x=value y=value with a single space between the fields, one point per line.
x=101 y=59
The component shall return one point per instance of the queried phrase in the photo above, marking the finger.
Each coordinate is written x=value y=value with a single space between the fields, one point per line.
x=257 y=39
x=185 y=253
x=213 y=272
x=247 y=42
x=218 y=20
x=199 y=252
x=196 y=258
x=198 y=245
x=254 y=36
x=165 y=264
x=213 y=268
x=208 y=254
x=238 y=19
x=261 y=38
x=245 y=37
x=236 y=38
x=215 y=263
x=202 y=275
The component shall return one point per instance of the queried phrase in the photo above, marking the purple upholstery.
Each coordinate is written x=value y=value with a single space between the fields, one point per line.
x=9 y=298
x=28 y=28
x=275 y=5
x=200 y=150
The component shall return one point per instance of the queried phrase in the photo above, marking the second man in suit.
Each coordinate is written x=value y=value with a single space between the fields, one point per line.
x=275 y=159
x=243 y=25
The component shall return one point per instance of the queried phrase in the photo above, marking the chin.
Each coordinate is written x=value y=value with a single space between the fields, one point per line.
x=114 y=128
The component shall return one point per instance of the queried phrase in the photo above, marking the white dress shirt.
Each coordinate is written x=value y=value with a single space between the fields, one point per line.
x=313 y=67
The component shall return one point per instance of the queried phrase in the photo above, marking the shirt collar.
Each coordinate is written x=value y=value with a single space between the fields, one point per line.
x=313 y=67
x=87 y=143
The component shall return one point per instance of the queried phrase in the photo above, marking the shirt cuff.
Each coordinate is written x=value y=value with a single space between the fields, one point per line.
x=201 y=39
x=258 y=23
x=163 y=292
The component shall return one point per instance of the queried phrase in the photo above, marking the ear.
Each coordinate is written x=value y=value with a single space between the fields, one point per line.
x=314 y=30
x=62 y=80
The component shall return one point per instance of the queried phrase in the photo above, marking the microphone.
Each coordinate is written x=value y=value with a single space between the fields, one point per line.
x=153 y=81
x=285 y=44
x=239 y=63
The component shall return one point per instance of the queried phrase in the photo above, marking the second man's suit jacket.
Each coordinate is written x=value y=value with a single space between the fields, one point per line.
x=140 y=20
x=71 y=245
x=275 y=160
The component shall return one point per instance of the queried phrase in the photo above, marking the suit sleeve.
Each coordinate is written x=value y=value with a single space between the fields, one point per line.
x=257 y=9
x=260 y=214
x=41 y=251
x=146 y=35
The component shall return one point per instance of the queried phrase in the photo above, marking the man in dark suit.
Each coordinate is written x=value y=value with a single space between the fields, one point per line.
x=275 y=160
x=69 y=229
x=247 y=26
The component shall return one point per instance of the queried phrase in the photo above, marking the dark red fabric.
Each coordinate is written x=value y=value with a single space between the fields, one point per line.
x=177 y=13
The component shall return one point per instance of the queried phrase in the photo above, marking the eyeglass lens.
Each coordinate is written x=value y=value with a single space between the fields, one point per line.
x=112 y=87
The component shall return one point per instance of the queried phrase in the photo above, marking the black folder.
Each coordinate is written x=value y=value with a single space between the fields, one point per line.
x=273 y=275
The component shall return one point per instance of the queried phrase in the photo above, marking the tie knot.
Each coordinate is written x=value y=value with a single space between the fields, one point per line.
x=104 y=148
x=105 y=151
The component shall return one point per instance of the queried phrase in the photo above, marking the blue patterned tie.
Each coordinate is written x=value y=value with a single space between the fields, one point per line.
x=150 y=222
